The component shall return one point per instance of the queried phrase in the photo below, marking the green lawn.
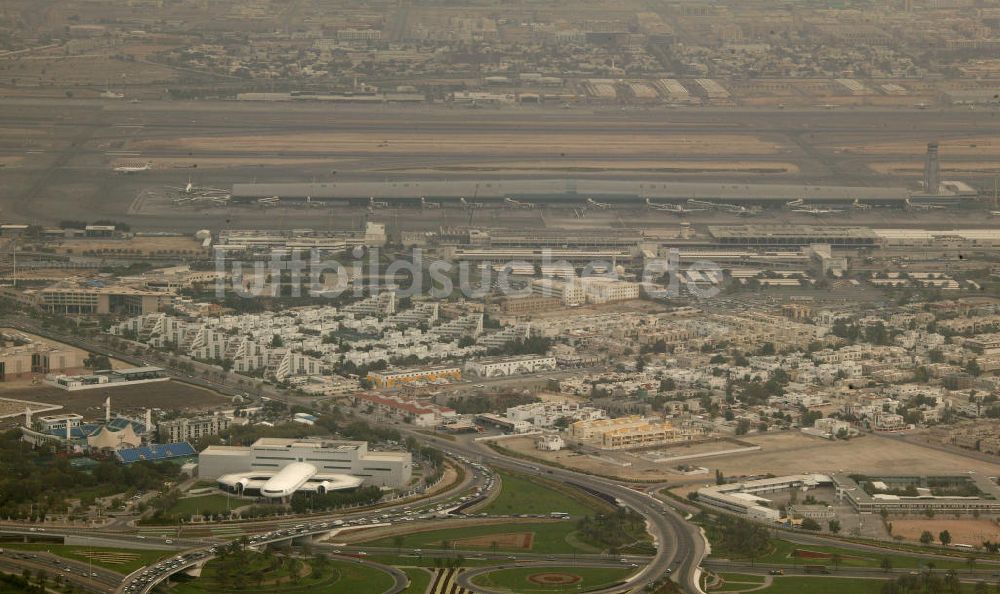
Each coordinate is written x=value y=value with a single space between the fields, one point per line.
x=131 y=560
x=520 y=494
x=818 y=585
x=204 y=504
x=736 y=582
x=517 y=579
x=419 y=580
x=405 y=561
x=336 y=576
x=549 y=537
x=832 y=585
x=782 y=553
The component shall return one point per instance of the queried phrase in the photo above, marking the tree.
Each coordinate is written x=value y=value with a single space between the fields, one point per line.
x=886 y=564
x=945 y=537
x=834 y=525
x=742 y=426
x=836 y=559
x=926 y=537
x=810 y=524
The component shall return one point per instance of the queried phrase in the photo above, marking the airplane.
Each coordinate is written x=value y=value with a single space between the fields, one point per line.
x=425 y=204
x=817 y=211
x=860 y=205
x=795 y=203
x=596 y=204
x=672 y=208
x=192 y=190
x=127 y=168
x=517 y=203
x=730 y=208
x=311 y=204
x=923 y=206
x=466 y=204
x=269 y=202
x=373 y=203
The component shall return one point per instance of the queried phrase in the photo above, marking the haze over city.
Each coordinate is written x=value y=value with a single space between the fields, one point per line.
x=479 y=297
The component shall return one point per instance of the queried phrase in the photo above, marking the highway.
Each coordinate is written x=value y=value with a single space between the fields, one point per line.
x=679 y=544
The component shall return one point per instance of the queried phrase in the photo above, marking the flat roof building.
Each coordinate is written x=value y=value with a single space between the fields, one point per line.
x=317 y=465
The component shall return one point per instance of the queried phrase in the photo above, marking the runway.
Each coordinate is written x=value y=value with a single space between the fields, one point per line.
x=57 y=155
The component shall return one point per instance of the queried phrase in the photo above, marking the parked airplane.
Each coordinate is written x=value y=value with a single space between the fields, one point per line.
x=269 y=202
x=425 y=204
x=192 y=190
x=860 y=205
x=127 y=168
x=795 y=203
x=672 y=208
x=517 y=203
x=596 y=204
x=913 y=206
x=817 y=211
x=730 y=208
x=466 y=204
x=373 y=203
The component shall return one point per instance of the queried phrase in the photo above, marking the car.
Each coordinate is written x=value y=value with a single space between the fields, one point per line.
x=777 y=572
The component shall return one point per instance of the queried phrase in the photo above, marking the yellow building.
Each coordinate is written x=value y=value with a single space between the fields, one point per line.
x=393 y=379
x=626 y=432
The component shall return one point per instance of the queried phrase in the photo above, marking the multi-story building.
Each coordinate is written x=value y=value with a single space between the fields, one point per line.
x=504 y=366
x=269 y=455
x=189 y=429
x=395 y=378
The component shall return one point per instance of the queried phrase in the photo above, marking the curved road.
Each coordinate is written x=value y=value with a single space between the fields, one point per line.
x=679 y=545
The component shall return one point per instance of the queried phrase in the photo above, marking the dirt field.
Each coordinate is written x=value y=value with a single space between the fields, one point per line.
x=980 y=146
x=780 y=453
x=506 y=540
x=789 y=453
x=971 y=532
x=90 y=403
x=16 y=407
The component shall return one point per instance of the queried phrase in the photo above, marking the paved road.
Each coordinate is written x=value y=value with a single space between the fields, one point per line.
x=859 y=572
x=679 y=545
x=93 y=578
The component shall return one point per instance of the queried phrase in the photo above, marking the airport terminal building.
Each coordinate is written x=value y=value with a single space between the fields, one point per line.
x=277 y=468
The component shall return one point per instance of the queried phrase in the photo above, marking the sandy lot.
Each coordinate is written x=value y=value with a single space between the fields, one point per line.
x=976 y=146
x=507 y=540
x=917 y=167
x=972 y=532
x=90 y=403
x=466 y=144
x=780 y=453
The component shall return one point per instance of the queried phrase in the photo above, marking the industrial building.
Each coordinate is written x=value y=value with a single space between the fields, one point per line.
x=952 y=494
x=745 y=498
x=277 y=468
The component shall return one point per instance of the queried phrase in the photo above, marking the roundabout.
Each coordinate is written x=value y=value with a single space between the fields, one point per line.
x=541 y=578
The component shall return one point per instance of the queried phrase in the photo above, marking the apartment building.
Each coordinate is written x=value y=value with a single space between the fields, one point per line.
x=192 y=429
